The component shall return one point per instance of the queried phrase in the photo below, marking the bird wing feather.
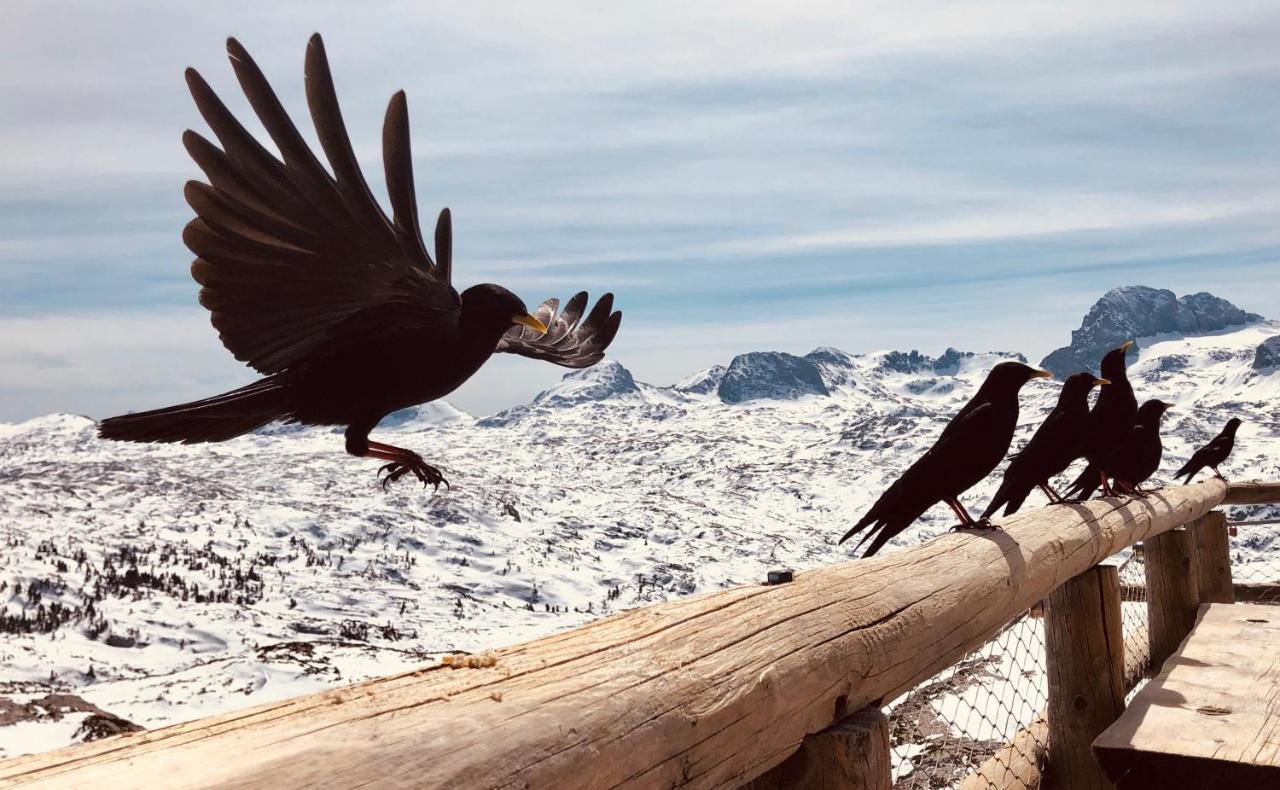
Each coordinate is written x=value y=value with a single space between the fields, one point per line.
x=923 y=483
x=570 y=340
x=293 y=261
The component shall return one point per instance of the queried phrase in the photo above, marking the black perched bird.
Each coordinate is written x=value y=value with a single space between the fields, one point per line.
x=337 y=304
x=1212 y=454
x=1057 y=442
x=1109 y=424
x=972 y=444
x=1138 y=456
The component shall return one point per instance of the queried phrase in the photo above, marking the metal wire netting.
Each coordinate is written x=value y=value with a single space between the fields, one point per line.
x=987 y=710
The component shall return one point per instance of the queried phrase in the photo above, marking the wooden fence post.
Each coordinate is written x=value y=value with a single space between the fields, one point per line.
x=850 y=755
x=1084 y=649
x=1173 y=592
x=1213 y=558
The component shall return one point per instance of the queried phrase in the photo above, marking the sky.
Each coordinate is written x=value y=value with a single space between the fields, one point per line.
x=743 y=176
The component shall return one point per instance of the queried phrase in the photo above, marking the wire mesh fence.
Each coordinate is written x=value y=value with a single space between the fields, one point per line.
x=988 y=709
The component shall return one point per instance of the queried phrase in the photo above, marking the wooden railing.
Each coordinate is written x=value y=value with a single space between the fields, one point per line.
x=709 y=691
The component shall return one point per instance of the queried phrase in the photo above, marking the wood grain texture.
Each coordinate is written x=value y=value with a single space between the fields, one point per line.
x=1173 y=593
x=1017 y=764
x=851 y=755
x=709 y=691
x=1211 y=718
x=1084 y=654
x=1213 y=558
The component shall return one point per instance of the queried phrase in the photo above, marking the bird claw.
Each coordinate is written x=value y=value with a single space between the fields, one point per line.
x=425 y=472
x=981 y=525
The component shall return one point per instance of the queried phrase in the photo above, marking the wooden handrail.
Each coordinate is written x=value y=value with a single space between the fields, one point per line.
x=1252 y=493
x=708 y=691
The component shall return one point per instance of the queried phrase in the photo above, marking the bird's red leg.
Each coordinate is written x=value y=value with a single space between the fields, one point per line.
x=1129 y=488
x=403 y=462
x=1106 y=484
x=1218 y=474
x=966 y=521
x=1054 y=497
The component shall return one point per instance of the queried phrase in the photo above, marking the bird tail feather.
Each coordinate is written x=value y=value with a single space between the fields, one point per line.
x=213 y=419
x=1186 y=470
x=1015 y=501
x=1084 y=485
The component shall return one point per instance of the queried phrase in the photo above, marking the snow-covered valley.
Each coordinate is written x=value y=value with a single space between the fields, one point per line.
x=164 y=583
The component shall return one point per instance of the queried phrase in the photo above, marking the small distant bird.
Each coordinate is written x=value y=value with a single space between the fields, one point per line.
x=337 y=304
x=1138 y=457
x=1109 y=424
x=1212 y=454
x=1057 y=442
x=972 y=444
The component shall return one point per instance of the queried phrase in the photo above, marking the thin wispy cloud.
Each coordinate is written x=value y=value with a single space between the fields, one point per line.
x=865 y=175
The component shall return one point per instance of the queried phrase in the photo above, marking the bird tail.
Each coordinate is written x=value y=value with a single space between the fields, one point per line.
x=856 y=528
x=1015 y=501
x=1084 y=485
x=1188 y=470
x=213 y=419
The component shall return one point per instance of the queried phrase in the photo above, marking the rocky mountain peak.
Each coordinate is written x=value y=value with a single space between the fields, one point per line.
x=1137 y=311
x=608 y=379
x=770 y=374
x=1267 y=355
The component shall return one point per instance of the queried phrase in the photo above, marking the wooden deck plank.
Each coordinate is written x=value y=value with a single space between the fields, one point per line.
x=1211 y=715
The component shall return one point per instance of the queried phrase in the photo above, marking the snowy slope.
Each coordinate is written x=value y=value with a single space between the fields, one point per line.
x=193 y=580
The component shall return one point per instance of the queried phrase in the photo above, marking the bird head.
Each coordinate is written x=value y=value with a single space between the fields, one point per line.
x=1010 y=376
x=1113 y=364
x=1150 y=412
x=1077 y=386
x=1232 y=425
x=493 y=309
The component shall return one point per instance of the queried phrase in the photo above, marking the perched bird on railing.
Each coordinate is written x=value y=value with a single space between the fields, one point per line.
x=972 y=444
x=1057 y=442
x=1212 y=454
x=1109 y=424
x=337 y=304
x=1138 y=457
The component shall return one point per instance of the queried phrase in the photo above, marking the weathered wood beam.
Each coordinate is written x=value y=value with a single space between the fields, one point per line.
x=1173 y=592
x=1212 y=558
x=1242 y=592
x=709 y=691
x=1084 y=654
x=850 y=755
x=1252 y=493
x=1255 y=593
x=1017 y=764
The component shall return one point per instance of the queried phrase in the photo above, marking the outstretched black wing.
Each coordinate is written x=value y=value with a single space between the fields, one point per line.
x=569 y=341
x=293 y=260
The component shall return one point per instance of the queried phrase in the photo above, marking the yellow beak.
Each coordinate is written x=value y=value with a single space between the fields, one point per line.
x=1126 y=345
x=1097 y=382
x=1042 y=374
x=530 y=322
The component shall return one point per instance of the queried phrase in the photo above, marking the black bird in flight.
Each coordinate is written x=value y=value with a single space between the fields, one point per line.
x=1109 y=424
x=337 y=304
x=1212 y=454
x=972 y=444
x=1057 y=442
x=1138 y=456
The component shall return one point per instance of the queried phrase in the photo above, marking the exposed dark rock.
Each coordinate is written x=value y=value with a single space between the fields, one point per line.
x=770 y=374
x=1267 y=354
x=1137 y=311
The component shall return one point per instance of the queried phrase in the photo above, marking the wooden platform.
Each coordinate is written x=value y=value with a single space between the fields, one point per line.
x=1211 y=718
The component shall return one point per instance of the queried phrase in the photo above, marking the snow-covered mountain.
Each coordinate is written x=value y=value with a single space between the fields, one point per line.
x=1137 y=311
x=162 y=583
